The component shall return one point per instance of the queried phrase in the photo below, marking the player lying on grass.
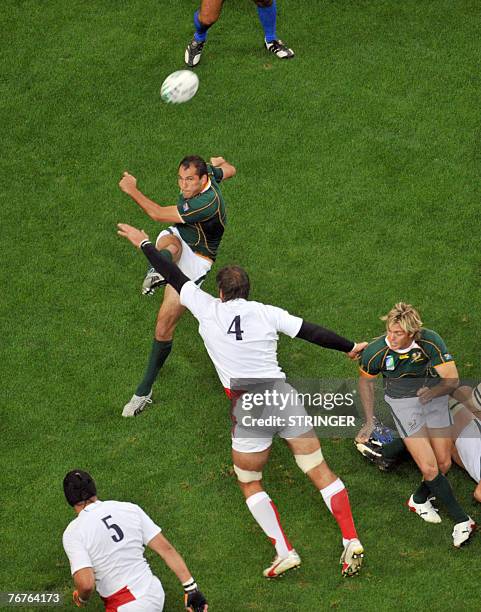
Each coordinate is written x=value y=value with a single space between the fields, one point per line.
x=465 y=434
x=209 y=13
x=192 y=241
x=241 y=339
x=418 y=375
x=105 y=547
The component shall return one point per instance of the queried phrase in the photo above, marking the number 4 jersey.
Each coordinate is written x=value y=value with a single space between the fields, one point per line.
x=239 y=335
x=110 y=536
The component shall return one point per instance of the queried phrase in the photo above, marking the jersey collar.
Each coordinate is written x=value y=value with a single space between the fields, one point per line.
x=92 y=506
x=207 y=187
x=405 y=350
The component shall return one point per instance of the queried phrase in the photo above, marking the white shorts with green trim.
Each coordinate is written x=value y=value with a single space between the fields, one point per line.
x=410 y=415
x=192 y=265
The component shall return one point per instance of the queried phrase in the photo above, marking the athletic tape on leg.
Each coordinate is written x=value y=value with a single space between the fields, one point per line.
x=307 y=462
x=247 y=476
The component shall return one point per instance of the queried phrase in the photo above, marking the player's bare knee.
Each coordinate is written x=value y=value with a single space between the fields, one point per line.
x=429 y=471
x=444 y=466
x=164 y=329
x=308 y=462
x=477 y=495
x=208 y=16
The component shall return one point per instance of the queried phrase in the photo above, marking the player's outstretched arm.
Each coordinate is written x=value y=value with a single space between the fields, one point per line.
x=228 y=169
x=194 y=600
x=84 y=580
x=162 y=214
x=328 y=339
x=172 y=274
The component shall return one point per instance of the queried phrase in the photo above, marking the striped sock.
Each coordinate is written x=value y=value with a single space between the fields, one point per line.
x=265 y=513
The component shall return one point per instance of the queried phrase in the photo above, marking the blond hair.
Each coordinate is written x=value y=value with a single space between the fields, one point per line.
x=406 y=316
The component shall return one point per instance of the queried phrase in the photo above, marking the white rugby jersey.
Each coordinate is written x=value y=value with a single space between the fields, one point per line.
x=110 y=536
x=468 y=445
x=239 y=335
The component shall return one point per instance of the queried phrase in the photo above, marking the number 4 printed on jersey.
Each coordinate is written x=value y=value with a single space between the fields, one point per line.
x=235 y=328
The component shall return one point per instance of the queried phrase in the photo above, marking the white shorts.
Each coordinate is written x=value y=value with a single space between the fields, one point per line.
x=410 y=415
x=192 y=265
x=250 y=437
x=468 y=445
x=151 y=601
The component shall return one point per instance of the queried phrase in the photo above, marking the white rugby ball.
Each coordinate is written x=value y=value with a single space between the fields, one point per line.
x=179 y=87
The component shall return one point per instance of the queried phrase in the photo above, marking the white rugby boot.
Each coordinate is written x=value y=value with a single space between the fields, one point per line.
x=426 y=511
x=463 y=531
x=136 y=405
x=280 y=565
x=351 y=558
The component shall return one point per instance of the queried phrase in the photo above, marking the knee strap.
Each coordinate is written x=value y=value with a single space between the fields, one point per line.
x=307 y=462
x=247 y=476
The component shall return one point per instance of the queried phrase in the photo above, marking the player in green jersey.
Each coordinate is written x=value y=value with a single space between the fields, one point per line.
x=192 y=241
x=418 y=374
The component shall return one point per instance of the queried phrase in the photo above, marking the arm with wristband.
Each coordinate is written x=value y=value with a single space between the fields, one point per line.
x=194 y=599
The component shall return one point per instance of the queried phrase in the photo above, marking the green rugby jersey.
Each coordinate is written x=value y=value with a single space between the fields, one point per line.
x=404 y=373
x=204 y=217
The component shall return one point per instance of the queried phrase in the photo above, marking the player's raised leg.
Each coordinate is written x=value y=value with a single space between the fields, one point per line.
x=204 y=18
x=267 y=12
x=308 y=455
x=170 y=247
x=170 y=312
x=248 y=468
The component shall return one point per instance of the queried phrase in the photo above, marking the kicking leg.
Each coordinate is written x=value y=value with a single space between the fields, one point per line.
x=308 y=455
x=170 y=312
x=248 y=467
x=204 y=18
x=169 y=247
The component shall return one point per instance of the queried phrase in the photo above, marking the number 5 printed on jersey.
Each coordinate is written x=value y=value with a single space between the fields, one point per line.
x=119 y=534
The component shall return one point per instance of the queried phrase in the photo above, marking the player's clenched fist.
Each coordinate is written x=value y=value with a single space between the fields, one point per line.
x=128 y=183
x=194 y=599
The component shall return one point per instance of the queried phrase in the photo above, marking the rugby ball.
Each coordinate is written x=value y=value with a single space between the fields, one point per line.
x=179 y=87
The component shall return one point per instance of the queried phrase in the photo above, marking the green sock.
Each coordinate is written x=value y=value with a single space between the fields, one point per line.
x=441 y=488
x=159 y=353
x=421 y=494
x=394 y=449
x=166 y=254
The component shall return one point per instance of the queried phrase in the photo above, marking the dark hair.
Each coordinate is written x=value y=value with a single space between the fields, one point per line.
x=198 y=163
x=233 y=282
x=78 y=486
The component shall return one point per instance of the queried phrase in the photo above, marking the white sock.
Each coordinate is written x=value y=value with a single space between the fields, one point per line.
x=265 y=513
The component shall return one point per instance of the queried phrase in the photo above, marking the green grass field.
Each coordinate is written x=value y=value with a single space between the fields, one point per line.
x=358 y=185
